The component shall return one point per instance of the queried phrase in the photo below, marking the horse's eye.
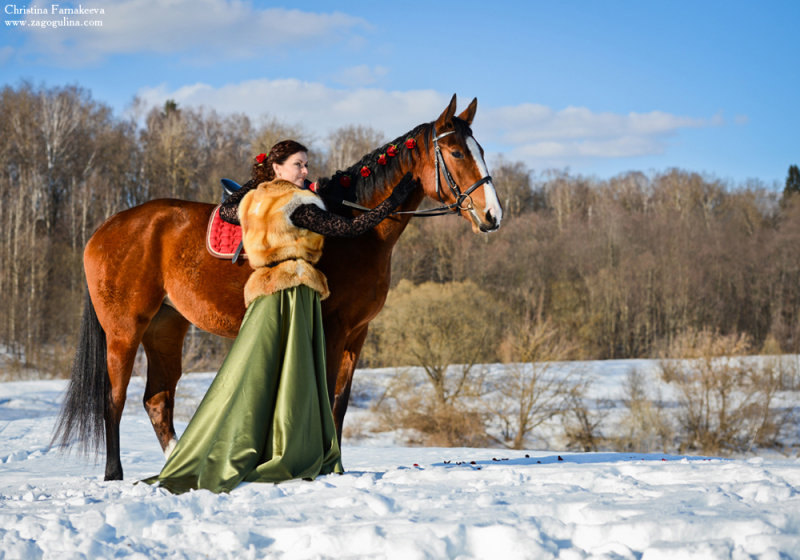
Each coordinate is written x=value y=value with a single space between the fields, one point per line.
x=456 y=154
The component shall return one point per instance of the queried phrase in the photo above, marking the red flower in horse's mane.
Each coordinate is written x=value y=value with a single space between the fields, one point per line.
x=261 y=157
x=312 y=187
x=365 y=172
x=411 y=143
x=344 y=180
x=391 y=151
x=382 y=159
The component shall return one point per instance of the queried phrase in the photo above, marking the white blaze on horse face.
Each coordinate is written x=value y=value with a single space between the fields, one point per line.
x=489 y=194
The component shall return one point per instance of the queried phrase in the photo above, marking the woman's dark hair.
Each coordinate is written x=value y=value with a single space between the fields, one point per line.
x=279 y=153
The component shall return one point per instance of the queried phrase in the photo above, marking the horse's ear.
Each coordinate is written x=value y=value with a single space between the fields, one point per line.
x=469 y=113
x=447 y=115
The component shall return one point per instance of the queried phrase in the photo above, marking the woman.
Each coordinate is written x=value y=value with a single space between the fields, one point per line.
x=266 y=416
x=286 y=160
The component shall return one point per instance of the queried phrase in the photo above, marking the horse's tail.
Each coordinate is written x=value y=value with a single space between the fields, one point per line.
x=86 y=403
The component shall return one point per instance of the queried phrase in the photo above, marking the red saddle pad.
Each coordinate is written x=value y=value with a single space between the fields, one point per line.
x=222 y=238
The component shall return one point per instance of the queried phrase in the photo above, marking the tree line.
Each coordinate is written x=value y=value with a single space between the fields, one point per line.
x=622 y=267
x=619 y=267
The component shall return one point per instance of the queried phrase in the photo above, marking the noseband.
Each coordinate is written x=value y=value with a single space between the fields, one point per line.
x=441 y=169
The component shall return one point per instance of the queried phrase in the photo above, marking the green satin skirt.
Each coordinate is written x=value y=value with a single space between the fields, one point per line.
x=266 y=416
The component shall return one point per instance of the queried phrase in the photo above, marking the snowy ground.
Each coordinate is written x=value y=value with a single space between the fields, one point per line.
x=393 y=501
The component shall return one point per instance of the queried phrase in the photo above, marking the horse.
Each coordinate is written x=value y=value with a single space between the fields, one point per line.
x=149 y=276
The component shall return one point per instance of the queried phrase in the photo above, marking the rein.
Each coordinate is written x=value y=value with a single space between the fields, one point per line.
x=461 y=197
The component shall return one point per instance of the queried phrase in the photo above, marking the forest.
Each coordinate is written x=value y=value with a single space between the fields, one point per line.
x=616 y=268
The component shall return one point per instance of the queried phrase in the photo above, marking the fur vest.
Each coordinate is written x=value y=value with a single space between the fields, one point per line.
x=282 y=254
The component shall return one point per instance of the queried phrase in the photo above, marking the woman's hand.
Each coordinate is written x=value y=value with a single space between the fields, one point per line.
x=402 y=189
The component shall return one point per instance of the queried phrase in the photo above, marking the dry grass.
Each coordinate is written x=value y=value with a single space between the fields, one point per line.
x=413 y=405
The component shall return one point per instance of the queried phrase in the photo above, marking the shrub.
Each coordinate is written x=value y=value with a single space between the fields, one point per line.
x=724 y=401
x=435 y=325
x=581 y=423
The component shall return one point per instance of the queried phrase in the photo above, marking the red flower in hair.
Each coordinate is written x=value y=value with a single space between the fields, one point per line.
x=261 y=157
x=344 y=180
x=391 y=151
x=382 y=159
x=365 y=172
x=411 y=143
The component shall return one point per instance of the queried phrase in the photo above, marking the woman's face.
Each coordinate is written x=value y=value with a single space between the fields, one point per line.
x=294 y=169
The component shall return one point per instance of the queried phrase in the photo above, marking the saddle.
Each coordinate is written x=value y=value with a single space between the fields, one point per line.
x=223 y=239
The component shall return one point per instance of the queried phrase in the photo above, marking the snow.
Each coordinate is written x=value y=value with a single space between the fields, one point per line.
x=393 y=501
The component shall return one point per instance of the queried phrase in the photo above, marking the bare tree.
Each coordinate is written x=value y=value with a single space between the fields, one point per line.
x=532 y=389
x=271 y=131
x=513 y=183
x=171 y=154
x=346 y=145
x=51 y=151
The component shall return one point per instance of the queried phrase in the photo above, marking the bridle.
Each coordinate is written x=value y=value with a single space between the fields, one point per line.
x=441 y=169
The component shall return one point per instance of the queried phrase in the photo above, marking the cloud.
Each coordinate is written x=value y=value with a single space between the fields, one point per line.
x=362 y=75
x=623 y=147
x=215 y=28
x=535 y=134
x=315 y=106
x=530 y=123
x=541 y=135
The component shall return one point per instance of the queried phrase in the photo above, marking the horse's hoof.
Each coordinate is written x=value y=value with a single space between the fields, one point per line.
x=115 y=475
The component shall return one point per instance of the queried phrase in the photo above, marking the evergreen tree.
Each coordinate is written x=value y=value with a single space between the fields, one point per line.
x=792 y=182
x=170 y=107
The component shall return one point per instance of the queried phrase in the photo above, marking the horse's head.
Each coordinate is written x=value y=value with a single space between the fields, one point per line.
x=459 y=174
x=443 y=157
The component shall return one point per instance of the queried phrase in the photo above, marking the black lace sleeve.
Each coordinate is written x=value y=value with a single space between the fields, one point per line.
x=314 y=218
x=229 y=211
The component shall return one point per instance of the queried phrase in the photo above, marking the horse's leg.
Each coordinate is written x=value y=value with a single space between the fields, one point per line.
x=163 y=344
x=121 y=355
x=344 y=376
x=124 y=326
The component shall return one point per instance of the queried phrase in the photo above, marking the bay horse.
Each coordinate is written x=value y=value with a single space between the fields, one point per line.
x=149 y=276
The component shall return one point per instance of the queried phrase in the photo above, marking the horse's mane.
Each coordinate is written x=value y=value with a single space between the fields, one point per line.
x=362 y=188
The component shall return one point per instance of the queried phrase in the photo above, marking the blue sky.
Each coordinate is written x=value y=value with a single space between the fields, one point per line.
x=598 y=87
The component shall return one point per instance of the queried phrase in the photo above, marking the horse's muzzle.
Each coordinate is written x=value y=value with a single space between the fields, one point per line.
x=490 y=224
